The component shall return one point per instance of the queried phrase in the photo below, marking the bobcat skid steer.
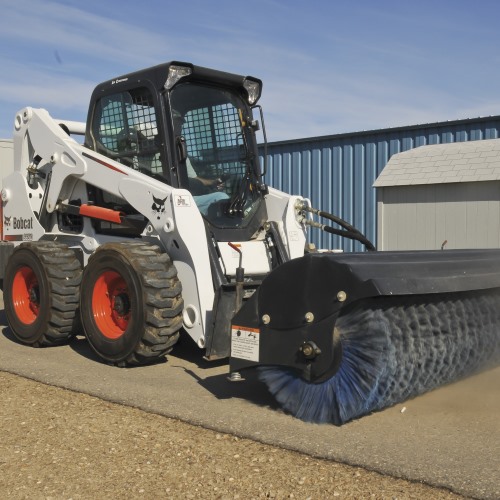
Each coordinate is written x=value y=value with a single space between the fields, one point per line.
x=161 y=221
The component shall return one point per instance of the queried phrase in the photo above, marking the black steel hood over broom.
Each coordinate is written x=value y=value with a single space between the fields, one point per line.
x=342 y=335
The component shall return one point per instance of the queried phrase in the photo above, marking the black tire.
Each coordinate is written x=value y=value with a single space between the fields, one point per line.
x=131 y=303
x=42 y=293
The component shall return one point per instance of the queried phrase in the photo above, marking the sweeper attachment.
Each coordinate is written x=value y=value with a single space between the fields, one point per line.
x=161 y=221
x=339 y=336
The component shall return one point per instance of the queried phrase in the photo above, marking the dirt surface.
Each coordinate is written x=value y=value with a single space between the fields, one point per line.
x=55 y=443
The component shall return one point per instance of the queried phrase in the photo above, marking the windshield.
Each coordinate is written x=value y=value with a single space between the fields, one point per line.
x=218 y=151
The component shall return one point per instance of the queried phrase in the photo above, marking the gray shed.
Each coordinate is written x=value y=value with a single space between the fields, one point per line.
x=446 y=194
x=6 y=159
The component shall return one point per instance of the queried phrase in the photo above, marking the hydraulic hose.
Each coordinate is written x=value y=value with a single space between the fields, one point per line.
x=352 y=235
x=348 y=230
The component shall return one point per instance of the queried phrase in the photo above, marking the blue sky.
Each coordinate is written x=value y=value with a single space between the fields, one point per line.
x=328 y=66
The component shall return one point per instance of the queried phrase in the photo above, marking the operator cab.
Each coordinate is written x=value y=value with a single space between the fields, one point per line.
x=192 y=128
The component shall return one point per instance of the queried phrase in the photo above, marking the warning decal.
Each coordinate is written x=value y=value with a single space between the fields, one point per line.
x=245 y=343
x=181 y=200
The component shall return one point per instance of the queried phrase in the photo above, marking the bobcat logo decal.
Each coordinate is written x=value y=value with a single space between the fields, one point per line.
x=158 y=206
x=7 y=221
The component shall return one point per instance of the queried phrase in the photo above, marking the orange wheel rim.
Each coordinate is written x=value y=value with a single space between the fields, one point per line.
x=111 y=304
x=26 y=295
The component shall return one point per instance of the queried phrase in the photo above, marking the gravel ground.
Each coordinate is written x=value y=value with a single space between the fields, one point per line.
x=57 y=444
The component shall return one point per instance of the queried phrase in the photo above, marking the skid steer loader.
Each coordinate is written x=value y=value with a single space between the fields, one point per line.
x=161 y=221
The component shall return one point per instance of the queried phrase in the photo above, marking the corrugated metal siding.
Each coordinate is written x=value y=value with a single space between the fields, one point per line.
x=337 y=172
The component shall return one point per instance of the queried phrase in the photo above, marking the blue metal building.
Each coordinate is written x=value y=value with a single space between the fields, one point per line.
x=336 y=172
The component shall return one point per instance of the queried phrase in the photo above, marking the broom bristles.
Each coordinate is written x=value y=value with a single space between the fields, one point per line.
x=394 y=349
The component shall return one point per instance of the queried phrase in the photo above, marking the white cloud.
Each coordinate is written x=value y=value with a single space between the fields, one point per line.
x=42 y=87
x=63 y=95
x=73 y=29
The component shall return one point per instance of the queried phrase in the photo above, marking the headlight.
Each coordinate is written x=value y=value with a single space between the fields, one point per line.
x=253 y=90
x=175 y=73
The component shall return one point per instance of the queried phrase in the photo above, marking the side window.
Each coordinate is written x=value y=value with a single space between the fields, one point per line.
x=125 y=129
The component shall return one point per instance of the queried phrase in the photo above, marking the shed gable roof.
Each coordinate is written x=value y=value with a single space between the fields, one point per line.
x=470 y=161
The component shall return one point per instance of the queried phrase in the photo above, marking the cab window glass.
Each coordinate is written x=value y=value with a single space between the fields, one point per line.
x=220 y=153
x=125 y=128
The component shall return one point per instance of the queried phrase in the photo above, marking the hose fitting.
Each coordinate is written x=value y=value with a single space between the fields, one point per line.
x=347 y=231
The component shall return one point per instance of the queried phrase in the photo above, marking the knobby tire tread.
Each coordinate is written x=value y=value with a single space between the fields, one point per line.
x=162 y=301
x=64 y=274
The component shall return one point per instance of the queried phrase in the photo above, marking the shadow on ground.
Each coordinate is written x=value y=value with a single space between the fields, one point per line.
x=249 y=388
x=184 y=352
